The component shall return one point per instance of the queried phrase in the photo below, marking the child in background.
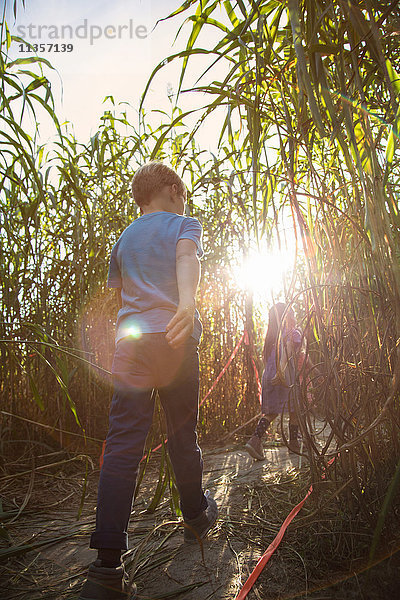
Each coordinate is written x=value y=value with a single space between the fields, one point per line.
x=155 y=269
x=275 y=391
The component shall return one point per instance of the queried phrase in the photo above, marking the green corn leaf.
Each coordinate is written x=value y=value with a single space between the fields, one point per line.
x=63 y=387
x=393 y=76
x=184 y=54
x=395 y=130
x=303 y=76
x=161 y=485
x=201 y=18
x=35 y=392
x=30 y=60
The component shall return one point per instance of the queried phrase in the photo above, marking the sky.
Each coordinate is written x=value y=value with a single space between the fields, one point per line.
x=116 y=45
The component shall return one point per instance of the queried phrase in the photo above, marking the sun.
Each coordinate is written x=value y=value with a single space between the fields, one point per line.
x=264 y=272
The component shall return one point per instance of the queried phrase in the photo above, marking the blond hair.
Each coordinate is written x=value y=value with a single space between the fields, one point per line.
x=151 y=178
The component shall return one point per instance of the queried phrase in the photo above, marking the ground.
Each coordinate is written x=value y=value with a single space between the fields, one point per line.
x=163 y=566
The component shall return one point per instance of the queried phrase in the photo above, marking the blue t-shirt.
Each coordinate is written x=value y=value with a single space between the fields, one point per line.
x=143 y=265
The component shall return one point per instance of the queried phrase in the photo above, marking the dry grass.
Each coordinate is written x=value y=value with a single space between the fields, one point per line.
x=323 y=554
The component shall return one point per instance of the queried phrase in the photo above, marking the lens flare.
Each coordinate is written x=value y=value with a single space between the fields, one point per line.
x=132 y=330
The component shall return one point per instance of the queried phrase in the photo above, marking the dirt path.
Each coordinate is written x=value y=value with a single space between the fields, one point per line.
x=166 y=567
x=228 y=475
x=48 y=554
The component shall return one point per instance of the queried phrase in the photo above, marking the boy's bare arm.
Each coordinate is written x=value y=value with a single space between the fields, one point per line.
x=180 y=327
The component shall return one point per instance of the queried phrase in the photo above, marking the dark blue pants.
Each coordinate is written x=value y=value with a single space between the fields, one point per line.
x=139 y=367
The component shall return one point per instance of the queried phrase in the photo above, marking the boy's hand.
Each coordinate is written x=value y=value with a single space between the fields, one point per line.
x=180 y=327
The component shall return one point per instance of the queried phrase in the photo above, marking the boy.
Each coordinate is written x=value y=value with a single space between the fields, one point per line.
x=155 y=269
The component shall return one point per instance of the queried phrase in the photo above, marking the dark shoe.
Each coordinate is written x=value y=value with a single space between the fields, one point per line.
x=105 y=583
x=255 y=448
x=197 y=529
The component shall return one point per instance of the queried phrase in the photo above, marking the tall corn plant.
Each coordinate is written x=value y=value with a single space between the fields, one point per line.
x=315 y=88
x=62 y=320
x=51 y=255
x=24 y=93
x=63 y=206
